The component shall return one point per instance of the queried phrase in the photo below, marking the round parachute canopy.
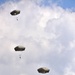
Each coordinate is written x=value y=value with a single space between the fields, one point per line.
x=15 y=12
x=19 y=48
x=43 y=70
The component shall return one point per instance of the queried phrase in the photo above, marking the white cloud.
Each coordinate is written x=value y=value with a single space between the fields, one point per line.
x=68 y=71
x=46 y=32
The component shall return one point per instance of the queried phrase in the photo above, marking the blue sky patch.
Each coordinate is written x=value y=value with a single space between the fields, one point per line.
x=66 y=4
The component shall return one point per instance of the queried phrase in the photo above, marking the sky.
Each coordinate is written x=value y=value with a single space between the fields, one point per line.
x=46 y=29
x=63 y=3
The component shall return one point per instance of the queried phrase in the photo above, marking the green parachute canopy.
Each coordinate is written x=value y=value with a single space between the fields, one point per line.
x=15 y=12
x=43 y=70
x=19 y=48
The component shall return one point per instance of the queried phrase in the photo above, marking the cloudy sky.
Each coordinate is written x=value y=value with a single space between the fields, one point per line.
x=46 y=28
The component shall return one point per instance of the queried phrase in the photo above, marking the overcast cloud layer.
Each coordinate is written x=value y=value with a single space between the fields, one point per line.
x=48 y=33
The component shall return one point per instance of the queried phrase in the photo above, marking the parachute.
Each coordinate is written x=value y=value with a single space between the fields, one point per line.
x=19 y=48
x=43 y=70
x=15 y=12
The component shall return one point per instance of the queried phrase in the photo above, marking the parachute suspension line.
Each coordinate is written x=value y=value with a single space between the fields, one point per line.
x=17 y=18
x=20 y=56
